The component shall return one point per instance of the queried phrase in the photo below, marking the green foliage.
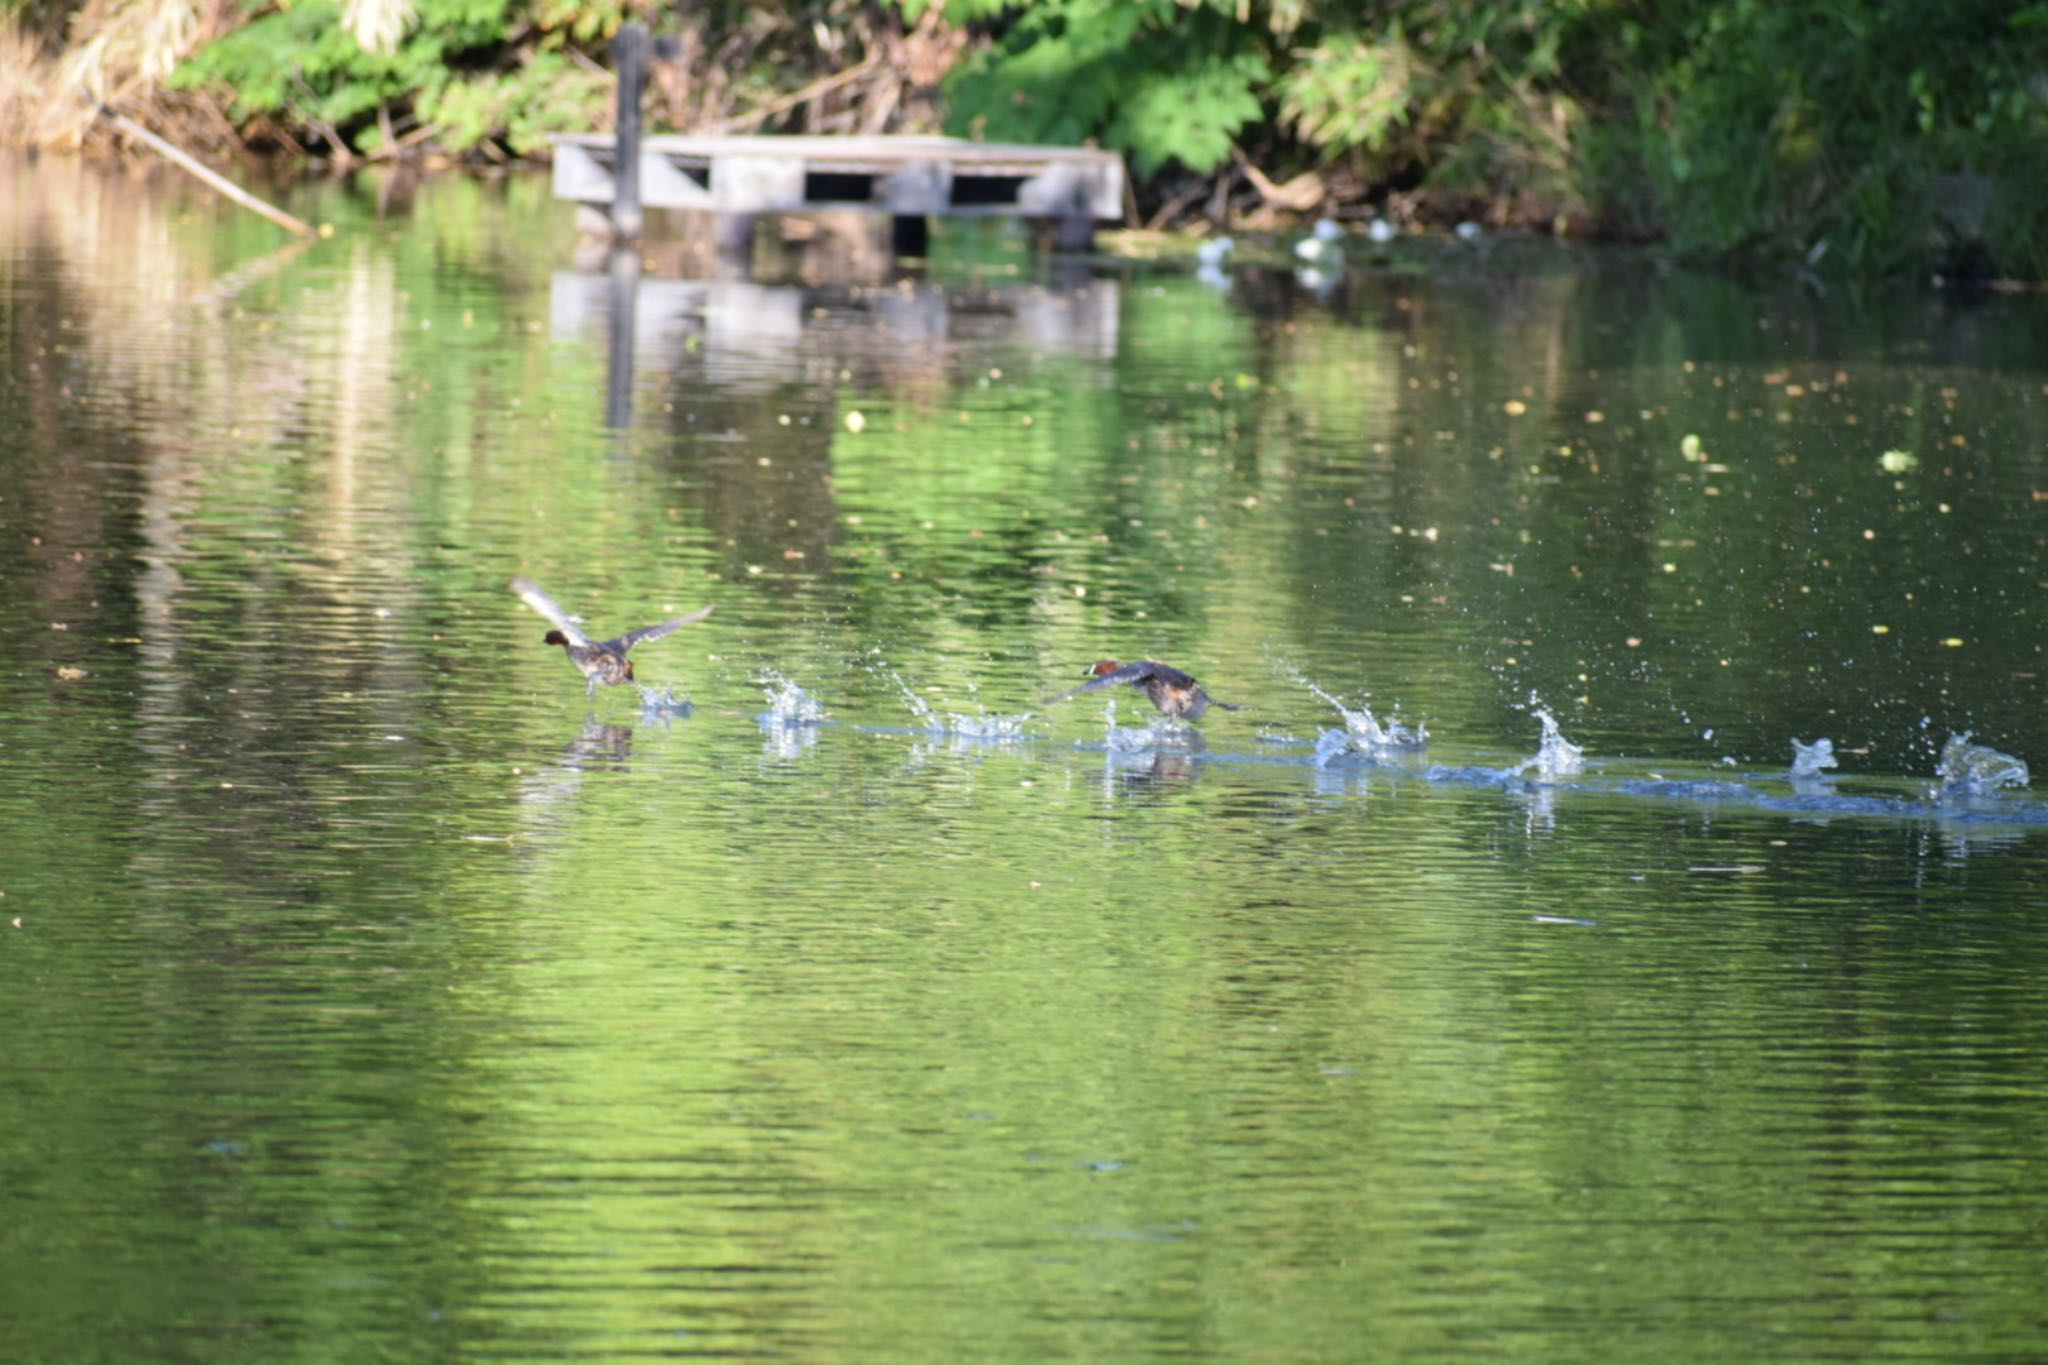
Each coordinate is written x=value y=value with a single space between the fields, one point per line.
x=1894 y=132
x=457 y=67
x=1411 y=88
x=548 y=94
x=1897 y=133
x=1349 y=91
x=1162 y=80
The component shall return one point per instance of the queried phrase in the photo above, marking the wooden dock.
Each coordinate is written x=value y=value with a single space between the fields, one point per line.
x=909 y=178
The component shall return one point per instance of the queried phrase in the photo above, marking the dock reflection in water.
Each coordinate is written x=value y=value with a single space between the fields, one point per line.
x=739 y=335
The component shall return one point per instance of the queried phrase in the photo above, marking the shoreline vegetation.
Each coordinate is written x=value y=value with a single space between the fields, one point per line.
x=1865 y=137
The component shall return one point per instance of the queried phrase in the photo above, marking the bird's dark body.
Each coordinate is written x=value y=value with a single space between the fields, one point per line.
x=604 y=661
x=1175 y=693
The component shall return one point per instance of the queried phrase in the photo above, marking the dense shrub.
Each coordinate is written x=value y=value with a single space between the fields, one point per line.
x=1872 y=135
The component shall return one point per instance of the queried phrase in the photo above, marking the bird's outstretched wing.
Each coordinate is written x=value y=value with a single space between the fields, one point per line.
x=536 y=597
x=1129 y=673
x=634 y=637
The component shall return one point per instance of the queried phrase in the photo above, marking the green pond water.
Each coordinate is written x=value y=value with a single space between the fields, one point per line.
x=371 y=995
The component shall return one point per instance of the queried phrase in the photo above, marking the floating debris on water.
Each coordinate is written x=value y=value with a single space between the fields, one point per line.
x=1968 y=769
x=1811 y=760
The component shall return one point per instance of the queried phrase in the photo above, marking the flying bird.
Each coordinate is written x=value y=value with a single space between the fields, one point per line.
x=599 y=661
x=1175 y=693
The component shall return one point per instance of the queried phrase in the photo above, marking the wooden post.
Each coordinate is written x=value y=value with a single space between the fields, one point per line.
x=629 y=55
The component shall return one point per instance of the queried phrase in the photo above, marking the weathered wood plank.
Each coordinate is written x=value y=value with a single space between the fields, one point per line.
x=880 y=149
x=910 y=178
x=897 y=175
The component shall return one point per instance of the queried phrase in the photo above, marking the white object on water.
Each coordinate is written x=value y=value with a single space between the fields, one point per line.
x=1326 y=230
x=1213 y=251
x=1311 y=248
x=1381 y=231
x=1469 y=231
x=1317 y=282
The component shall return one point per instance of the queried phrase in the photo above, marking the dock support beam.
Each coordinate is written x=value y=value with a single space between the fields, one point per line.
x=1074 y=233
x=732 y=236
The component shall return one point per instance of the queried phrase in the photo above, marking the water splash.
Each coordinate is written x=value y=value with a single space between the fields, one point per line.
x=790 y=724
x=1362 y=730
x=663 y=703
x=987 y=728
x=1330 y=746
x=1556 y=756
x=919 y=707
x=789 y=706
x=1968 y=769
x=1167 y=732
x=981 y=727
x=1811 y=760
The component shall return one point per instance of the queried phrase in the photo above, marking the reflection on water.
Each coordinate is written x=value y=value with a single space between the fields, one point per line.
x=740 y=335
x=372 y=992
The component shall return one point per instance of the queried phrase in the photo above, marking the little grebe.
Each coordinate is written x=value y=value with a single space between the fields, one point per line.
x=1175 y=693
x=599 y=661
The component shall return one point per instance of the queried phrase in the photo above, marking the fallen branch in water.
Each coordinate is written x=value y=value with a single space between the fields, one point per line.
x=192 y=166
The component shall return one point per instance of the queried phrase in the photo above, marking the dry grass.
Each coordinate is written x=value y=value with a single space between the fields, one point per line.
x=119 y=50
x=23 y=73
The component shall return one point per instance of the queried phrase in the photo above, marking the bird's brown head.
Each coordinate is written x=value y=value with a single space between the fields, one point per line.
x=629 y=670
x=1104 y=666
x=554 y=637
